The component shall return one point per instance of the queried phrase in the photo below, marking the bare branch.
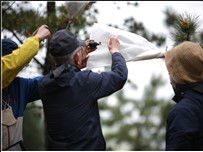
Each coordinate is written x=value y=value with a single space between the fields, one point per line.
x=4 y=11
x=39 y=63
x=14 y=34
x=36 y=60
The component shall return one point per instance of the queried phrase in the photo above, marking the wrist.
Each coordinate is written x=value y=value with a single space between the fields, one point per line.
x=39 y=38
x=36 y=38
x=114 y=51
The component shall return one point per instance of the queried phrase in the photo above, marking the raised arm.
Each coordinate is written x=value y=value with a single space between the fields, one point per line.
x=13 y=63
x=107 y=83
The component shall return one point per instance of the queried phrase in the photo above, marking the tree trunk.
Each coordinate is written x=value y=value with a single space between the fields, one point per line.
x=49 y=63
x=51 y=14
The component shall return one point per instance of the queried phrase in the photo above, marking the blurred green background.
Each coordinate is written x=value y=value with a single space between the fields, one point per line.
x=129 y=123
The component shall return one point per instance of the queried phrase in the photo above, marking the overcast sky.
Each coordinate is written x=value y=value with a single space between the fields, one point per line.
x=152 y=16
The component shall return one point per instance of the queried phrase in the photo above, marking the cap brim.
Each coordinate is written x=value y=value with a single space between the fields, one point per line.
x=81 y=42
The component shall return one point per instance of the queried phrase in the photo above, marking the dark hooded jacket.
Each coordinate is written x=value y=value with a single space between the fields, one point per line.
x=70 y=96
x=185 y=120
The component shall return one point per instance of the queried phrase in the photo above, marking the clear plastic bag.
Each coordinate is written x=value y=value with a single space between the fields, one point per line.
x=75 y=8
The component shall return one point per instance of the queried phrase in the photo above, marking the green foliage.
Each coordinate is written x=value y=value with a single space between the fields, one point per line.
x=33 y=128
x=132 y=3
x=26 y=21
x=21 y=19
x=136 y=124
x=171 y=17
x=142 y=126
x=138 y=28
x=184 y=27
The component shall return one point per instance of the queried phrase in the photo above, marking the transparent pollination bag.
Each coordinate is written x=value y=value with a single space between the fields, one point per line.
x=75 y=8
x=132 y=46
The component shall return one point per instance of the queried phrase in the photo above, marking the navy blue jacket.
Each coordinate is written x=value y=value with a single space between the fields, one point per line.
x=69 y=98
x=185 y=120
x=18 y=94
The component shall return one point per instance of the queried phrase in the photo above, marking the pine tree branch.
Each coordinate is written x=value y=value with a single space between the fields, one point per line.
x=185 y=28
x=14 y=34
x=4 y=11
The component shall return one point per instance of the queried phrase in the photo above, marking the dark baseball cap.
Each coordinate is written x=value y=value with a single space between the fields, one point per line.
x=8 y=46
x=64 y=42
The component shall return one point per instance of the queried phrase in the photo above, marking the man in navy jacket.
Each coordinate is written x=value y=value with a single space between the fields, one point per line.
x=70 y=95
x=185 y=120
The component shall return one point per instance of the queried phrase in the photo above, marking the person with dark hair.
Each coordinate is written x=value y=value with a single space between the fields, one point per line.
x=70 y=95
x=185 y=121
x=17 y=91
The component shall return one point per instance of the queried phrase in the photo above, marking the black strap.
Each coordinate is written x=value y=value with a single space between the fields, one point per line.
x=22 y=146
x=20 y=143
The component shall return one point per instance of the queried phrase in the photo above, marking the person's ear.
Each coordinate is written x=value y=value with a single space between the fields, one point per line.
x=77 y=59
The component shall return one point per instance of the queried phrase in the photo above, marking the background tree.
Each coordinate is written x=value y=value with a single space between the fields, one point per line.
x=21 y=20
x=183 y=27
x=137 y=124
x=148 y=131
x=131 y=124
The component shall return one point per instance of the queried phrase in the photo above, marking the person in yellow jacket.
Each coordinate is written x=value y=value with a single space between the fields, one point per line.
x=17 y=91
x=13 y=63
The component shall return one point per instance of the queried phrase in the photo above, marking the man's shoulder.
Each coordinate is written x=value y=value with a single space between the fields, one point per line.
x=182 y=105
x=87 y=77
x=183 y=108
x=83 y=74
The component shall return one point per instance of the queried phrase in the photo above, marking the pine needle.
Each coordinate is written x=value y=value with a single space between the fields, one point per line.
x=185 y=28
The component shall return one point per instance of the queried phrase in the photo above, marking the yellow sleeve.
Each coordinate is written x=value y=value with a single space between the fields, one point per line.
x=13 y=63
